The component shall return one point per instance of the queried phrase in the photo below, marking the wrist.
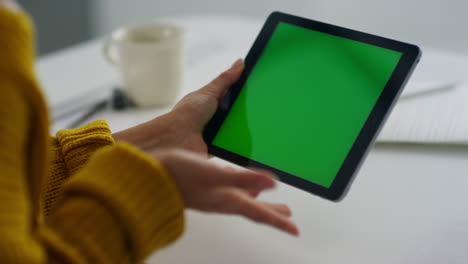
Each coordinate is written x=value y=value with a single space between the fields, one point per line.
x=146 y=136
x=169 y=159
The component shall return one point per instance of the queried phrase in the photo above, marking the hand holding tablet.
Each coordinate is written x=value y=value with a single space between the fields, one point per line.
x=310 y=102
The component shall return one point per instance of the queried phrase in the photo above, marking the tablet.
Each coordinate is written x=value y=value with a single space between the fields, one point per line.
x=310 y=102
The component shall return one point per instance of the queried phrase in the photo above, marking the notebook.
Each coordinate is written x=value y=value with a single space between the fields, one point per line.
x=428 y=113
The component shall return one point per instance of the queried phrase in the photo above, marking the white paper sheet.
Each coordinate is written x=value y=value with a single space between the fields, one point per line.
x=437 y=117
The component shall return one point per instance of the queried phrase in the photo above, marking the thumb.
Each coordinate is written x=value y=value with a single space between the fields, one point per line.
x=218 y=86
x=200 y=105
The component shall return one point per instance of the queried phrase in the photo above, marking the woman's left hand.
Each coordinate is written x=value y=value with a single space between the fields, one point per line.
x=182 y=127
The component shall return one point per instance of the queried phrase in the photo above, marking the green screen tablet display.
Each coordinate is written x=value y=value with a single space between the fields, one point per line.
x=306 y=101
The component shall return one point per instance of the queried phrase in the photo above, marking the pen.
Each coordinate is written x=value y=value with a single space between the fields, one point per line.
x=95 y=109
x=119 y=101
x=438 y=89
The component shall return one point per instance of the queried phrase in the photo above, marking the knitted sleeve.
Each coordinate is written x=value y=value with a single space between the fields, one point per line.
x=119 y=205
x=119 y=208
x=68 y=152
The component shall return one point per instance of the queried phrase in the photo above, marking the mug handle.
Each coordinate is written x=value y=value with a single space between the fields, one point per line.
x=107 y=52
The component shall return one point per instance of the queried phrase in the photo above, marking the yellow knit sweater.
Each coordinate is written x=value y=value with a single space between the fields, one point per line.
x=77 y=197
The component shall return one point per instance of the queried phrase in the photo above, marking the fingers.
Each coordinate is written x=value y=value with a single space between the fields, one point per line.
x=241 y=200
x=218 y=86
x=279 y=208
x=211 y=188
x=199 y=107
x=255 y=184
x=252 y=181
x=261 y=212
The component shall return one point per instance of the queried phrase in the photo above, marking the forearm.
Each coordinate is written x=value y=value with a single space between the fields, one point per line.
x=130 y=210
x=118 y=209
x=120 y=204
x=148 y=135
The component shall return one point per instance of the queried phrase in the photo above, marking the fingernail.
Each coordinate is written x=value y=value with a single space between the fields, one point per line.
x=292 y=230
x=295 y=233
x=274 y=176
x=236 y=64
x=266 y=184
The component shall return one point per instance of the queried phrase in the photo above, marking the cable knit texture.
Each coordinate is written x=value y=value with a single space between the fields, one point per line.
x=78 y=197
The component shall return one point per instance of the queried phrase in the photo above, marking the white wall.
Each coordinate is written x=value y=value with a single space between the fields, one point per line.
x=112 y=13
x=435 y=23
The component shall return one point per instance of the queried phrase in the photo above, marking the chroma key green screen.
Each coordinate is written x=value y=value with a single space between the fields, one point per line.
x=306 y=101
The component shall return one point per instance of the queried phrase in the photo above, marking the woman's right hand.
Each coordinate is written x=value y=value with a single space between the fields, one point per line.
x=208 y=187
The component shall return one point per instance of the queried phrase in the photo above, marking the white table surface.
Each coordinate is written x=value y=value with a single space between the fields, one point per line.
x=408 y=204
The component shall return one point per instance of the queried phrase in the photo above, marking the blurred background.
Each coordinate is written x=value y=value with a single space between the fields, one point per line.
x=429 y=23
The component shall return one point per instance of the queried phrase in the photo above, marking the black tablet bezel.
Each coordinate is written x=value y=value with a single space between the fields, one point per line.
x=410 y=56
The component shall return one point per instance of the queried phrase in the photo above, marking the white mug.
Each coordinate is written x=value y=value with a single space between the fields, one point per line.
x=150 y=60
